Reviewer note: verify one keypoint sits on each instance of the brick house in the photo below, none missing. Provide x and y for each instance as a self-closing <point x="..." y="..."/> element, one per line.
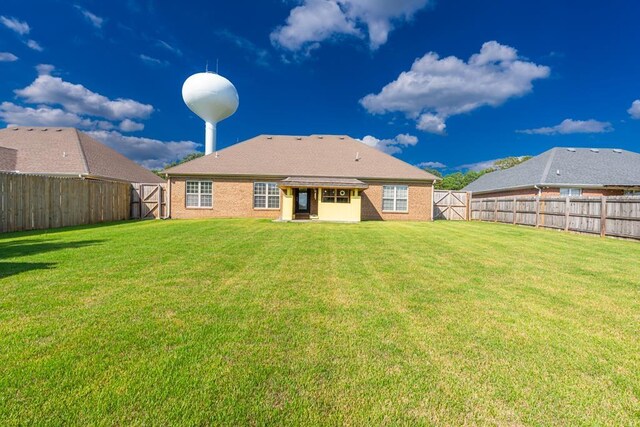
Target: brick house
<point x="317" y="177"/>
<point x="565" y="172"/>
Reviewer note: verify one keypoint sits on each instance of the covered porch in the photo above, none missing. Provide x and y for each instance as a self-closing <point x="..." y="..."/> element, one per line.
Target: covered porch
<point x="321" y="199"/>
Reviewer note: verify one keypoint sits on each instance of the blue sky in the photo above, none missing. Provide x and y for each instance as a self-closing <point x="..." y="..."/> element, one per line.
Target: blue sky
<point x="446" y="82"/>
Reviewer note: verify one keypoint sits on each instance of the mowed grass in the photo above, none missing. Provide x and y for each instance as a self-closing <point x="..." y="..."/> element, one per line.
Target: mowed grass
<point x="236" y="322"/>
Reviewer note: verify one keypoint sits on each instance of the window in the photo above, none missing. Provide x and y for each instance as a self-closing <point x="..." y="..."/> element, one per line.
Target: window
<point x="335" y="195"/>
<point x="571" y="192"/>
<point x="632" y="193"/>
<point x="266" y="195"/>
<point x="395" y="198"/>
<point x="199" y="194"/>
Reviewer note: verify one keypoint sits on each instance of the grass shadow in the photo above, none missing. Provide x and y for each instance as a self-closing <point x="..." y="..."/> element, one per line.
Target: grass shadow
<point x="12" y="268"/>
<point x="20" y="248"/>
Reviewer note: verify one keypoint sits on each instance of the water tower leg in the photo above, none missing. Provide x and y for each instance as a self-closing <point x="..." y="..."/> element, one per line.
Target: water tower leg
<point x="210" y="138"/>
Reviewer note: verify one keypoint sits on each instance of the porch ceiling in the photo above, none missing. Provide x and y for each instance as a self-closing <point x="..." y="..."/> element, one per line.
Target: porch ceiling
<point x="306" y="182"/>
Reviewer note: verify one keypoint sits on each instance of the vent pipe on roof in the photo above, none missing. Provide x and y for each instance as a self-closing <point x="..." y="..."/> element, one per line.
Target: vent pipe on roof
<point x="617" y="150"/>
<point x="594" y="150"/>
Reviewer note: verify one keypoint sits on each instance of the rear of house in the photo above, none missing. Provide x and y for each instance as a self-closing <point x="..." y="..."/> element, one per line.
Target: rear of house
<point x="317" y="177"/>
<point x="564" y="172"/>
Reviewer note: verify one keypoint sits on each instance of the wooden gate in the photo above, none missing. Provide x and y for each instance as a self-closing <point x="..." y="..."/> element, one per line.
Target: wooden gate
<point x="451" y="205"/>
<point x="148" y="201"/>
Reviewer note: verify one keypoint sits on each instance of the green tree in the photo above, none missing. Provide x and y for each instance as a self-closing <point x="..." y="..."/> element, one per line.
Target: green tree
<point x="185" y="159"/>
<point x="459" y="180"/>
<point x="509" y="162"/>
<point x="432" y="171"/>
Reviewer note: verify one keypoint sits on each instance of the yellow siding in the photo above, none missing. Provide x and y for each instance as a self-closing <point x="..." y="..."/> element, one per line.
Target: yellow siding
<point x="340" y="211"/>
<point x="287" y="204"/>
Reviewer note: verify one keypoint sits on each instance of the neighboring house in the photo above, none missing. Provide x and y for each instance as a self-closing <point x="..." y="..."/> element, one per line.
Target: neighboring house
<point x="565" y="172"/>
<point x="324" y="177"/>
<point x="57" y="151"/>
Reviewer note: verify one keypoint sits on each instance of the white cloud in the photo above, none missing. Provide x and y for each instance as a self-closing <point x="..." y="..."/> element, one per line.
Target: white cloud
<point x="32" y="44"/>
<point x="314" y="21"/>
<point x="13" y="114"/>
<point x="570" y="126"/>
<point x="479" y="166"/>
<point x="634" y="111"/>
<point x="130" y="126"/>
<point x="435" y="89"/>
<point x="151" y="153"/>
<point x="93" y="19"/>
<point x="170" y="48"/>
<point x="7" y="57"/>
<point x="15" y="24"/>
<point x="44" y="69"/>
<point x="431" y="123"/>
<point x="390" y="146"/>
<point x="75" y="98"/>
<point x="149" y="60"/>
<point x="434" y="165"/>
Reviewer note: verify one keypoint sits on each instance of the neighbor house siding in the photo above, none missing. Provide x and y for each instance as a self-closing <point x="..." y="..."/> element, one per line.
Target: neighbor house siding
<point x="232" y="198"/>
<point x="548" y="192"/>
<point x="420" y="203"/>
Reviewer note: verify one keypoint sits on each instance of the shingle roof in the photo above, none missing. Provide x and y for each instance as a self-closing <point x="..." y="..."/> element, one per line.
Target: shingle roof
<point x="67" y="151"/>
<point x="308" y="156"/>
<point x="585" y="167"/>
<point x="305" y="181"/>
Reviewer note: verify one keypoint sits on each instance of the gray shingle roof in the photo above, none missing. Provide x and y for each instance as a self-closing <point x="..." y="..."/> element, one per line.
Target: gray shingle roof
<point x="66" y="151"/>
<point x="333" y="156"/>
<point x="566" y="167"/>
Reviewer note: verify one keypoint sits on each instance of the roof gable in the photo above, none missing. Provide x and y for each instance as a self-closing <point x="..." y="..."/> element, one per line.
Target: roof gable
<point x="563" y="166"/>
<point x="66" y="151"/>
<point x="309" y="156"/>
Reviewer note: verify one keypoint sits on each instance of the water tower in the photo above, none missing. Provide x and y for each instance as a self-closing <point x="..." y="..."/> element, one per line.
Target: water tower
<point x="213" y="98"/>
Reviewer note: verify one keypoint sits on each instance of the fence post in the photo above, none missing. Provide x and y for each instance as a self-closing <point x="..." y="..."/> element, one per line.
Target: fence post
<point x="469" y="195"/>
<point x="603" y="216"/>
<point x="538" y="212"/>
<point x="567" y="210"/>
<point x="515" y="211"/>
<point x="495" y="210"/>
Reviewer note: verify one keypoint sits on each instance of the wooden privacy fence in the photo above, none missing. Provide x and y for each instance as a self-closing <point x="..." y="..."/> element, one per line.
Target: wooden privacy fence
<point x="148" y="201"/>
<point x="30" y="202"/>
<point x="606" y="216"/>
<point x="451" y="205"/>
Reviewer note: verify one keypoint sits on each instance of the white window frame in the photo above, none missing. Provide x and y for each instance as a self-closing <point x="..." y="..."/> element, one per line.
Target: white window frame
<point x="395" y="198"/>
<point x="568" y="192"/>
<point x="266" y="195"/>
<point x="199" y="194"/>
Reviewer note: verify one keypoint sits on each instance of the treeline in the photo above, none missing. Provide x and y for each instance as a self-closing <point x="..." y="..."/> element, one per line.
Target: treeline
<point x="459" y="180"/>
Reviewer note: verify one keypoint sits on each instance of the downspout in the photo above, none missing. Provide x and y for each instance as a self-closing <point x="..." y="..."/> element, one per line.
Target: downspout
<point x="168" y="205"/>
<point x="539" y="190"/>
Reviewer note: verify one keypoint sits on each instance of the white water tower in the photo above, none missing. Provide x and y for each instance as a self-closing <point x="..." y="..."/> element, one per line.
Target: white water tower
<point x="213" y="98"/>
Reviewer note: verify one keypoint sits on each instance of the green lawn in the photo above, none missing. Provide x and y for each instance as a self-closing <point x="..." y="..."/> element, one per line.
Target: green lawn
<point x="252" y="322"/>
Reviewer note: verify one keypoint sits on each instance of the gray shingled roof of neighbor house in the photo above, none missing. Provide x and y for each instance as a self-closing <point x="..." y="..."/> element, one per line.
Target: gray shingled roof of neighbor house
<point x="66" y="152"/>
<point x="566" y="167"/>
<point x="332" y="156"/>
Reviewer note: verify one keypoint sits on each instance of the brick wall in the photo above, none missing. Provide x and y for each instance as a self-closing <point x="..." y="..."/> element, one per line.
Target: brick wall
<point x="550" y="192"/>
<point x="232" y="198"/>
<point x="420" y="204"/>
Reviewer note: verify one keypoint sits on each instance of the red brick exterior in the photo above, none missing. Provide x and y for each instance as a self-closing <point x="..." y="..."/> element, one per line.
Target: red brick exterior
<point x="420" y="203"/>
<point x="233" y="198"/>
<point x="549" y="192"/>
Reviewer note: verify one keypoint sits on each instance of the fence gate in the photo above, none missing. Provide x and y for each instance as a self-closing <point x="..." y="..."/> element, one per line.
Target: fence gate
<point x="148" y="201"/>
<point x="451" y="205"/>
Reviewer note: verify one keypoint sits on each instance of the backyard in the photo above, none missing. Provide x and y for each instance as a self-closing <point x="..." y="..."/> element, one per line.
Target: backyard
<point x="252" y="322"/>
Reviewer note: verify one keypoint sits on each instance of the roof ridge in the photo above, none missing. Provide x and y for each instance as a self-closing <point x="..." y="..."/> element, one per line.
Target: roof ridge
<point x="83" y="156"/>
<point x="545" y="173"/>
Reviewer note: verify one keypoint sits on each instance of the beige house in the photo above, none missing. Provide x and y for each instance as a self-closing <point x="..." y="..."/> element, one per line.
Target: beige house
<point x="317" y="177"/>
